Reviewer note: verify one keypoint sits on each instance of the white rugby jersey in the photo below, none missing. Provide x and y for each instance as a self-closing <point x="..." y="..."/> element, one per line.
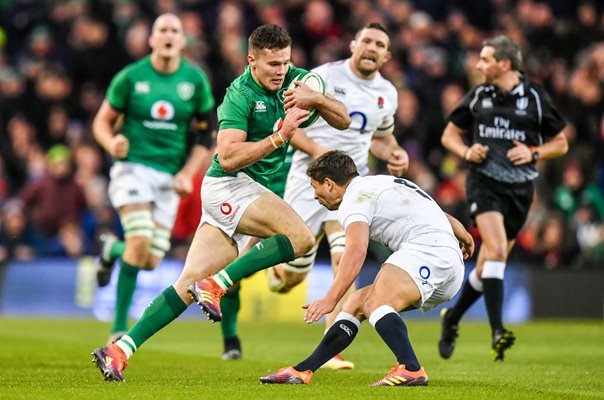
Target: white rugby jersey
<point x="371" y="105"/>
<point x="397" y="212"/>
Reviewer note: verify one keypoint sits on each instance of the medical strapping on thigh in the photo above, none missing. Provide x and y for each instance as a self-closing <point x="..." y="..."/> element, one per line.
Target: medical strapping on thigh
<point x="161" y="242"/>
<point x="138" y="223"/>
<point x="304" y="263"/>
<point x="337" y="242"/>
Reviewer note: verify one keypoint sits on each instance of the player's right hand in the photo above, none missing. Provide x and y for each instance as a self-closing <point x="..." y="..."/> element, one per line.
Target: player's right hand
<point x="477" y="153"/>
<point x="119" y="146"/>
<point x="293" y="118"/>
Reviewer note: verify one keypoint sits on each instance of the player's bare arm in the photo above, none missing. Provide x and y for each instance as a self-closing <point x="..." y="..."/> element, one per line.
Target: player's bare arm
<point x="235" y="153"/>
<point x="466" y="242"/>
<point x="453" y="140"/>
<point x="183" y="180"/>
<point x="103" y="130"/>
<point x="355" y="251"/>
<point x="386" y="148"/>
<point x="302" y="142"/>
<point x="523" y="154"/>
<point x="333" y="111"/>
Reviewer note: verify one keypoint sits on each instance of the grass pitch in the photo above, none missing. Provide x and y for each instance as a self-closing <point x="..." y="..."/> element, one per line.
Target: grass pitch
<point x="50" y="359"/>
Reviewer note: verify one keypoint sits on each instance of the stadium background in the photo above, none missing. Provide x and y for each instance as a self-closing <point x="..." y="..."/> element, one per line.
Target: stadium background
<point x="57" y="58"/>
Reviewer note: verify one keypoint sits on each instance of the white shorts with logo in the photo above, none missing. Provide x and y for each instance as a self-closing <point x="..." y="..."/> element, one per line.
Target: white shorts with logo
<point x="225" y="199"/>
<point x="438" y="272"/>
<point x="134" y="183"/>
<point x="300" y="195"/>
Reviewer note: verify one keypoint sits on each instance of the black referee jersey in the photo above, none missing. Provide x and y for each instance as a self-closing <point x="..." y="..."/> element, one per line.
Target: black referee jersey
<point x="497" y="118"/>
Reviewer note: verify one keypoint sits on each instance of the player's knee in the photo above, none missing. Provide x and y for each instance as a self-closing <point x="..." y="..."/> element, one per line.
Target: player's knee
<point x="137" y="250"/>
<point x="302" y="242"/>
<point x="496" y="251"/>
<point x="296" y="270"/>
<point x="354" y="304"/>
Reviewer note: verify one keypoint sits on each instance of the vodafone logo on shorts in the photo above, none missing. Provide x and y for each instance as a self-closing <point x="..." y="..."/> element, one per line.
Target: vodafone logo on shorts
<point x="226" y="208"/>
<point x="162" y="110"/>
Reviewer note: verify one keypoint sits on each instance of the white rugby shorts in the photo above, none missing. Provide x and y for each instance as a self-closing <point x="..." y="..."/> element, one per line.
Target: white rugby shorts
<point x="438" y="272"/>
<point x="225" y="199"/>
<point x="300" y="195"/>
<point x="134" y="183"/>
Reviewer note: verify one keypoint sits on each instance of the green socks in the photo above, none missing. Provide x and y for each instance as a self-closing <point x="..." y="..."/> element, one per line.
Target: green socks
<point x="117" y="249"/>
<point x="229" y="305"/>
<point x="126" y="285"/>
<point x="164" y="309"/>
<point x="271" y="251"/>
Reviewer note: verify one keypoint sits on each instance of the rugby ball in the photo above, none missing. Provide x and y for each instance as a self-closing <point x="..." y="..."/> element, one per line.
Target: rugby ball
<point x="316" y="83"/>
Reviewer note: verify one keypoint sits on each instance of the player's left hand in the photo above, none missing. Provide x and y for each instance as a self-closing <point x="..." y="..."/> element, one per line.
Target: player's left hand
<point x="183" y="184"/>
<point x="520" y="154"/>
<point x="317" y="309"/>
<point x="302" y="97"/>
<point x="398" y="162"/>
<point x="467" y="247"/>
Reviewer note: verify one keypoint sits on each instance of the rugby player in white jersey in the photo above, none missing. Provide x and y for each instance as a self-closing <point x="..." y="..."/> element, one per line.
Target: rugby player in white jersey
<point x="371" y="101"/>
<point x="425" y="269"/>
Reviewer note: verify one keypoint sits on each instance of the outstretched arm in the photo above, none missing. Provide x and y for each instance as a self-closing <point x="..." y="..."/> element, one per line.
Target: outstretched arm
<point x="357" y="239"/>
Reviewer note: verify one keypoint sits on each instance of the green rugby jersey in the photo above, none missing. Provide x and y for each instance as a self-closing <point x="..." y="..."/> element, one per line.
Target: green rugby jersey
<point x="279" y="179"/>
<point x="158" y="109"/>
<point x="249" y="107"/>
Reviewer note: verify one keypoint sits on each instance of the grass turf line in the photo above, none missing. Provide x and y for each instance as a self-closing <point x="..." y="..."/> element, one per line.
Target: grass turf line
<point x="50" y="359"/>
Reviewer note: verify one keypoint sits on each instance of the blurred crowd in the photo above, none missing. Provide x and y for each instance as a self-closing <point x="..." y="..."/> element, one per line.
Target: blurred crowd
<point x="58" y="57"/>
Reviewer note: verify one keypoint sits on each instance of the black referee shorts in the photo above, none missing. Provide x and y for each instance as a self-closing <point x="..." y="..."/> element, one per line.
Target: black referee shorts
<point x="513" y="200"/>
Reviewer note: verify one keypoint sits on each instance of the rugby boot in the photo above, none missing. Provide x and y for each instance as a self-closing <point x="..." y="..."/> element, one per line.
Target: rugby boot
<point x="399" y="376"/>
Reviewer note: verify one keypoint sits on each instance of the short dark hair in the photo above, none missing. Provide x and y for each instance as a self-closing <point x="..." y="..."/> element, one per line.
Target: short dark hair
<point x="269" y="36"/>
<point x="335" y="165"/>
<point x="506" y="48"/>
<point x="374" y="25"/>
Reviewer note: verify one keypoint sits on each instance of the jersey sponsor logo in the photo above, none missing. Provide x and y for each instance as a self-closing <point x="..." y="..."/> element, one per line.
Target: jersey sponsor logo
<point x="487" y="103"/>
<point x="162" y="110"/>
<point x="142" y="87"/>
<point x="260" y="106"/>
<point x="501" y="129"/>
<point x="185" y="90"/>
<point x="380" y="102"/>
<point x="226" y="208"/>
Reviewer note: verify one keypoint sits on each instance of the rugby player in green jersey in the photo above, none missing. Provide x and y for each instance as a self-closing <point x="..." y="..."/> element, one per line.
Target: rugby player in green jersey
<point x="154" y="100"/>
<point x="230" y="303"/>
<point x="257" y="118"/>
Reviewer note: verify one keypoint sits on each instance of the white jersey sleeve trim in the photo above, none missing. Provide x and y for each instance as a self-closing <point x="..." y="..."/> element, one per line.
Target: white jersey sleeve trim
<point x="356" y="217"/>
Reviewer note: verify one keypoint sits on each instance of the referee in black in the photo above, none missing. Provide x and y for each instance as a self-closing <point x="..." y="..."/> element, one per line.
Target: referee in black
<point x="513" y="125"/>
